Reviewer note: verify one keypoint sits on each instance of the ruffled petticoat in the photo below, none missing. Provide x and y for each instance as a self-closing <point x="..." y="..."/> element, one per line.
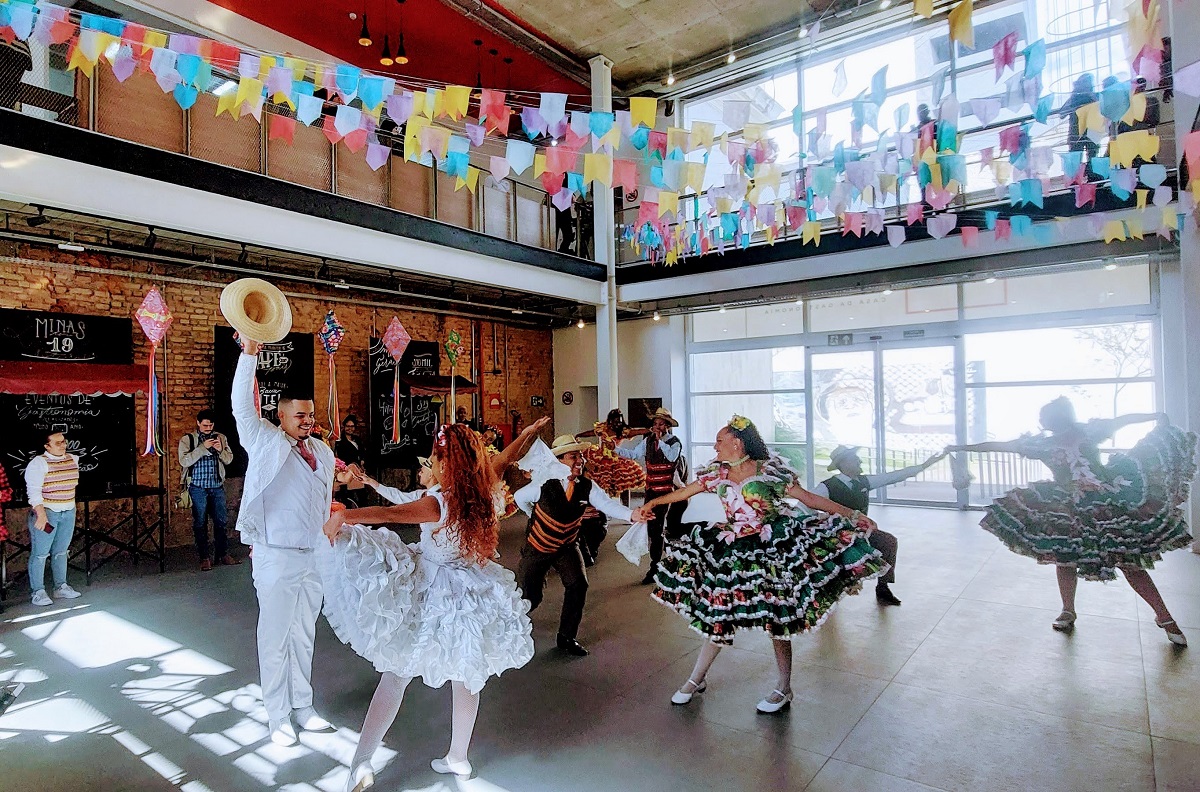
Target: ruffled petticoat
<point x="785" y="586"/>
<point x="612" y="473"/>
<point x="417" y="618"/>
<point x="1129" y="522"/>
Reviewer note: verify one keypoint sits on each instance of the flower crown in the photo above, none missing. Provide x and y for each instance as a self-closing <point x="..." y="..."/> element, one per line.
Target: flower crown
<point x="441" y="436"/>
<point x="740" y="422"/>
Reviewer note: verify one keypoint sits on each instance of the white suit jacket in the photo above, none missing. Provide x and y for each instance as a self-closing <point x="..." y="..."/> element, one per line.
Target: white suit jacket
<point x="268" y="448"/>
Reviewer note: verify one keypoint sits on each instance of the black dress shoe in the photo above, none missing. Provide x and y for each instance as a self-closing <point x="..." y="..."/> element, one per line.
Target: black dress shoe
<point x="649" y="579"/>
<point x="885" y="595"/>
<point x="571" y="646"/>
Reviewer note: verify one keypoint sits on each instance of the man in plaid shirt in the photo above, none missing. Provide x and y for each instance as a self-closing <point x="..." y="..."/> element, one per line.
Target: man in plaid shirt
<point x="203" y="455"/>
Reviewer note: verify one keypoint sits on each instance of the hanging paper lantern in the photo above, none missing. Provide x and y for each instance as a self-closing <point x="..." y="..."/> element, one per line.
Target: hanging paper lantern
<point x="155" y="318"/>
<point x="395" y="341"/>
<point x="331" y="335"/>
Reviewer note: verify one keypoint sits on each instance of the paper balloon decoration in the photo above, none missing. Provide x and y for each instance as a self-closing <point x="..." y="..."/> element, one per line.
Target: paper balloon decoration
<point x="155" y="319"/>
<point x="331" y="335"/>
<point x="395" y="341"/>
<point x="454" y="347"/>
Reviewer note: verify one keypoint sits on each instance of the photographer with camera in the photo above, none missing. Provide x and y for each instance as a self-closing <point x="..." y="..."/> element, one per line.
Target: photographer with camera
<point x="203" y="455"/>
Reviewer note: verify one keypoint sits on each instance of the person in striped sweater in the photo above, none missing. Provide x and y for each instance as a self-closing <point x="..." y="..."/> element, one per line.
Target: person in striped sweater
<point x="50" y="481"/>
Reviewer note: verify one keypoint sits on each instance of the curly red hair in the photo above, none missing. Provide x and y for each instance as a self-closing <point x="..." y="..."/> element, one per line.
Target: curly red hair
<point x="469" y="483"/>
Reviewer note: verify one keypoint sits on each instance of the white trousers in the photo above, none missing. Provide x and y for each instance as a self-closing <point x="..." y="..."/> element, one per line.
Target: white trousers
<point x="289" y="601"/>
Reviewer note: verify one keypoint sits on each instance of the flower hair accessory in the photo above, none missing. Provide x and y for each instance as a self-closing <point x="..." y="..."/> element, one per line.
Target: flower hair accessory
<point x="441" y="436"/>
<point x="740" y="422"/>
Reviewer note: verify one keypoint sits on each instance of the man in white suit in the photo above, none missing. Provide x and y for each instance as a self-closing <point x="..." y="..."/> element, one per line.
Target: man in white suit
<point x="285" y="501"/>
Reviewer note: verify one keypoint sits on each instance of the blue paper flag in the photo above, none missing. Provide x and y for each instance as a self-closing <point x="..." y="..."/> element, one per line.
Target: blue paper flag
<point x="600" y="123"/>
<point x="1014" y="194"/>
<point x="947" y="136"/>
<point x="185" y="95"/>
<point x="1035" y="58"/>
<point x="188" y="67"/>
<point x="656" y="177"/>
<point x="457" y="163"/>
<point x="954" y="166"/>
<point x="1100" y="166"/>
<point x="1072" y="161"/>
<point x="1120" y="192"/>
<point x="990" y="216"/>
<point x="347" y="79"/>
<point x="640" y="138"/>
<point x="879" y="86"/>
<point x="1021" y="224"/>
<point x="1152" y="175"/>
<point x="728" y="224"/>
<point x="1031" y="192"/>
<point x="576" y="184"/>
<point x="1044" y="107"/>
<point x="1114" y="101"/>
<point x="308" y="109"/>
<point x="373" y="90"/>
<point x="1043" y="234"/>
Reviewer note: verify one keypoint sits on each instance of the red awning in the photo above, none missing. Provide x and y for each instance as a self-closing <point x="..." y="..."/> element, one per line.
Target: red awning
<point x="436" y="385"/>
<point x="71" y="379"/>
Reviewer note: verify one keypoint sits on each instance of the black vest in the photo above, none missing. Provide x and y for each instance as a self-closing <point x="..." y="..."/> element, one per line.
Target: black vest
<point x="555" y="521"/>
<point x="855" y="495"/>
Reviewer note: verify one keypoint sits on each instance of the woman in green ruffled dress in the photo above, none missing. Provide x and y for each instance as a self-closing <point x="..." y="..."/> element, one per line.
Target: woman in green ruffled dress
<point x="1096" y="517"/>
<point x="768" y="566"/>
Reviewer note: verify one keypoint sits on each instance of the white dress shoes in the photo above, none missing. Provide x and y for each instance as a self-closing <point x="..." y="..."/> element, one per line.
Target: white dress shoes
<point x="443" y="765"/>
<point x="778" y="700"/>
<point x="308" y="719"/>
<point x="361" y="778"/>
<point x="282" y="733"/>
<point x="689" y="689"/>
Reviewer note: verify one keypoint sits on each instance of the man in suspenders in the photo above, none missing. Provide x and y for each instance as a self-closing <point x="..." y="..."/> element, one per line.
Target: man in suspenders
<point x="852" y="489"/>
<point x="662" y="453"/>
<point x="556" y="510"/>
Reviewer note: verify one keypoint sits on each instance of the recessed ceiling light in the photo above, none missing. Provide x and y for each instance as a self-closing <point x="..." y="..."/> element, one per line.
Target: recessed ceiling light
<point x="1110" y="267"/>
<point x="657" y="316"/>
<point x="579" y="324"/>
<point x="990" y="280"/>
<point x="671" y="79"/>
<point x="722" y="309"/>
<point x="803" y="32"/>
<point x="72" y="247"/>
<point x="886" y="292"/>
<point x="731" y="57"/>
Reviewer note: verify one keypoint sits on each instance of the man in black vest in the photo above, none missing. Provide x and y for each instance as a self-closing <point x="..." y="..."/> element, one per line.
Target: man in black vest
<point x="662" y="453"/>
<point x="556" y="509"/>
<point x="850" y="488"/>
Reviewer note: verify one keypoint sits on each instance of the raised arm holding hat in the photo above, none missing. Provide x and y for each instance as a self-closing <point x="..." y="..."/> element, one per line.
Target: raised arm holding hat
<point x="556" y="506"/>
<point x="851" y="488"/>
<point x="662" y="452"/>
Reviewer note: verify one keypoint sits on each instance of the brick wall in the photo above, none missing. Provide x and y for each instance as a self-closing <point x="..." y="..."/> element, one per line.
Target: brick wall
<point x="524" y="372"/>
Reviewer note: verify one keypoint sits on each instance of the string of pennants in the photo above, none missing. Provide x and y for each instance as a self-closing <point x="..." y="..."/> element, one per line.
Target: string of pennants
<point x="444" y="126"/>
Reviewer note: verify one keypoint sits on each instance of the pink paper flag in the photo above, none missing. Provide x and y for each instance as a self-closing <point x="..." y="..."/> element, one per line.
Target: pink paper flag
<point x="562" y="200"/>
<point x="914" y="212"/>
<point x="985" y="157"/>
<point x="852" y="223"/>
<point x="560" y="159"/>
<point x="124" y="64"/>
<point x="377" y="154"/>
<point x="874" y="221"/>
<point x="1003" y="229"/>
<point x="500" y="168"/>
<point x="625" y="174"/>
<point x="356" y="140"/>
<point x="970" y="236"/>
<point x="1004" y="53"/>
<point x="1085" y="194"/>
<point x="896" y="235"/>
<point x="940" y="225"/>
<point x="475" y="133"/>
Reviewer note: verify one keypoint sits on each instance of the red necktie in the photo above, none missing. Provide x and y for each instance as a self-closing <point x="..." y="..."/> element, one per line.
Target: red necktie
<point x="306" y="454"/>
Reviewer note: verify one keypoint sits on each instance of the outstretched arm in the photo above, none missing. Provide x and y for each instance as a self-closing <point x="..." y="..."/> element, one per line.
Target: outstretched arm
<point x="427" y="509"/>
<point x="1013" y="446"/>
<point x="1110" y="427"/>
<point x="815" y="502"/>
<point x="877" y="480"/>
<point x="671" y="497"/>
<point x="518" y="447"/>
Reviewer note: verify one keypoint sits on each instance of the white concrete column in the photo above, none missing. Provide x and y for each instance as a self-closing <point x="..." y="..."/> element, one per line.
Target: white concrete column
<point x="1180" y="283"/>
<point x="604" y="244"/>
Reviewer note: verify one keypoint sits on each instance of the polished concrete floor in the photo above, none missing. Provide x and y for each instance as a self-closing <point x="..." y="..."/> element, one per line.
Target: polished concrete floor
<point x="149" y="682"/>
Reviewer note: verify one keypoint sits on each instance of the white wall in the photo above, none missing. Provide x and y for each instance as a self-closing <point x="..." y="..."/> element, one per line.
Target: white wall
<point x="650" y="363"/>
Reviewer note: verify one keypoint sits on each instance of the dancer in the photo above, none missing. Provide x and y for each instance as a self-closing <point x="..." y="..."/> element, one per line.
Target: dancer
<point x="556" y="509"/>
<point x="1095" y="518"/>
<point x="441" y="609"/>
<point x="285" y="500"/>
<point x="767" y="566"/>
<point x="425" y="481"/>
<point x="852" y="489"/>
<point x="613" y="474"/>
<point x="662" y="453"/>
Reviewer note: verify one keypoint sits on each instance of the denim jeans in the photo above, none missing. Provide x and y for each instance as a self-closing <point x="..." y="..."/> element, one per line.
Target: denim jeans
<point x="206" y="502"/>
<point x="53" y="545"/>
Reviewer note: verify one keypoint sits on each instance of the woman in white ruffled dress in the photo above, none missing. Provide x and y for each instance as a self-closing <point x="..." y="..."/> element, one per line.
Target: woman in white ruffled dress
<point x="442" y="609"/>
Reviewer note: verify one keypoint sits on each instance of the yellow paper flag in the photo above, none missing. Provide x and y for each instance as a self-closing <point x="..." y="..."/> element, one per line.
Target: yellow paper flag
<point x="924" y="8"/>
<point x="154" y="40"/>
<point x="297" y="66"/>
<point x="539" y="164"/>
<point x="598" y="167"/>
<point x="752" y="133"/>
<point x="643" y="110"/>
<point x="811" y="232"/>
<point x="667" y="202"/>
<point x="458" y="99"/>
<point x="1142" y="195"/>
<point x="1091" y="119"/>
<point x="611" y="138"/>
<point x="1134" y="226"/>
<point x="471" y="182"/>
<point x="677" y="139"/>
<point x="265" y="64"/>
<point x="671" y="258"/>
<point x="962" y="28"/>
<point x="1170" y="219"/>
<point x="767" y="177"/>
<point x="226" y="102"/>
<point x="702" y="135"/>
<point x="724" y="205"/>
<point x="80" y="61"/>
<point x="1137" y="109"/>
<point x="770" y="235"/>
<point x="412" y="137"/>
<point x="694" y="180"/>
<point x="868" y="195"/>
<point x="249" y="89"/>
<point x="1114" y="230"/>
<point x="284" y="98"/>
<point x="888" y="183"/>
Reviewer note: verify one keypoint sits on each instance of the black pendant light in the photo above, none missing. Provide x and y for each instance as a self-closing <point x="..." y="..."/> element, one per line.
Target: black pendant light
<point x="385" y="57"/>
<point x="478" y="93"/>
<point x="401" y="55"/>
<point x="364" y="35"/>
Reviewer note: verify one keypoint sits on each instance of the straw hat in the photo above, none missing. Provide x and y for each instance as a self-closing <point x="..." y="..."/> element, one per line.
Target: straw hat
<point x="840" y="454"/>
<point x="664" y="414"/>
<point x="565" y="444"/>
<point x="257" y="310"/>
<point x="424" y="462"/>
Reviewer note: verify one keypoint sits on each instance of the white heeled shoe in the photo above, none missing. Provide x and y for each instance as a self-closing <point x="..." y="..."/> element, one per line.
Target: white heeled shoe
<point x="444" y="766"/>
<point x="1177" y="637"/>
<point x="282" y="733"/>
<point x="1065" y="621"/>
<point x="771" y="705"/>
<point x="308" y="719"/>
<point x="361" y="778"/>
<point x="682" y="697"/>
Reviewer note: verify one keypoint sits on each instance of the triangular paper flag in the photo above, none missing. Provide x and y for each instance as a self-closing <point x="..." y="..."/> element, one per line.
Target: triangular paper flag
<point x="962" y="27"/>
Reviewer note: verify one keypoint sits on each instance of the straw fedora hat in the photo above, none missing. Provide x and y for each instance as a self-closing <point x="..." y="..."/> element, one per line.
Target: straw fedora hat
<point x="664" y="414"/>
<point x="257" y="310"/>
<point x="565" y="444"/>
<point x="840" y="454"/>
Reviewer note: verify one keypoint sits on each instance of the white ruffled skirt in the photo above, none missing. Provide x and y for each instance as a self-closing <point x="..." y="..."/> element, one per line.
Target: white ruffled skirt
<point x="414" y="617"/>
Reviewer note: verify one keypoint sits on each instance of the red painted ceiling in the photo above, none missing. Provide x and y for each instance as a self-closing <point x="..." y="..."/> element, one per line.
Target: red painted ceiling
<point x="439" y="41"/>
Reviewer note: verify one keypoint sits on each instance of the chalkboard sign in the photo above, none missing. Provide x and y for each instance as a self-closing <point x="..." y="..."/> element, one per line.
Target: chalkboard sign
<point x="286" y="365"/>
<point x="100" y="430"/>
<point x="65" y="338"/>
<point x="418" y="416"/>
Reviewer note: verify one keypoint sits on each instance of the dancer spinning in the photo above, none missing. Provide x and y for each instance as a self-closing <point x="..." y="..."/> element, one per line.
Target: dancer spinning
<point x="665" y="469"/>
<point x="441" y="610"/>
<point x="768" y="566"/>
<point x="613" y="474"/>
<point x="1094" y="518"/>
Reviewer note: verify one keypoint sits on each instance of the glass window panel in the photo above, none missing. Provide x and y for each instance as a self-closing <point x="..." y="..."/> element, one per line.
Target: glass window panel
<point x="1060" y="291"/>
<point x="1100" y="352"/>
<point x="796" y="458"/>
<point x="771" y="320"/>
<point x="908" y="59"/>
<point x="780" y="417"/>
<point x="770" y="99"/>
<point x="718" y="326"/>
<point x="748" y="369"/>
<point x="843" y="402"/>
<point x="1005" y="413"/>
<point x="879" y="309"/>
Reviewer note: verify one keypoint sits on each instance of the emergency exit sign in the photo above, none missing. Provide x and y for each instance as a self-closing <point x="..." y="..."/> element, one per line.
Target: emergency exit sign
<point x="841" y="339"/>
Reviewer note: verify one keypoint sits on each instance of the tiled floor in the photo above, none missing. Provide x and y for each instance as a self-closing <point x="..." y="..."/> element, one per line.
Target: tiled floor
<point x="149" y="682"/>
